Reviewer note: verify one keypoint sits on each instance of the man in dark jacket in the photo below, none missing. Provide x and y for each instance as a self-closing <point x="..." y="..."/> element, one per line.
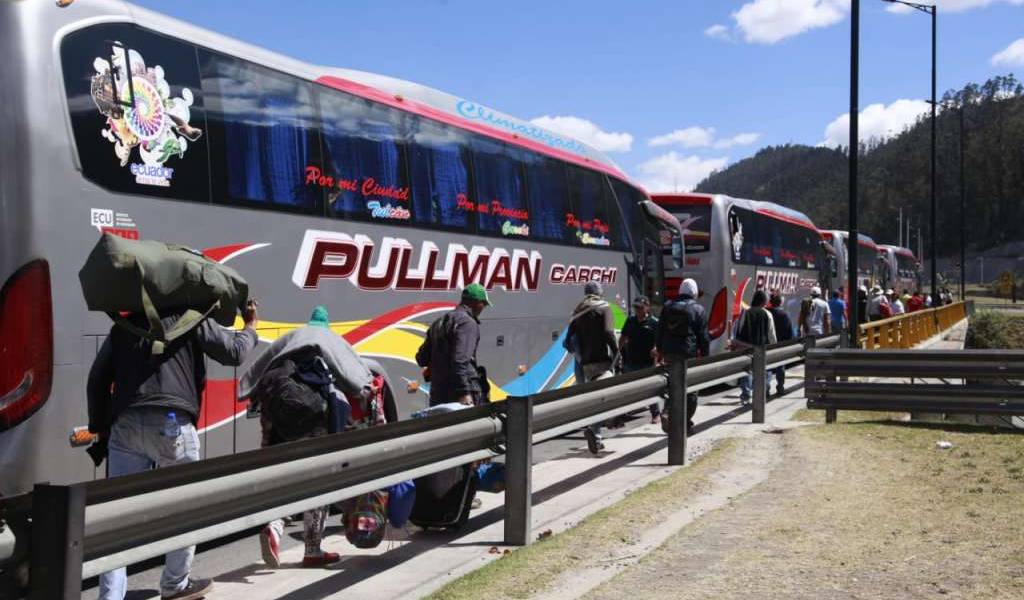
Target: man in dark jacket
<point x="783" y="332"/>
<point x="449" y="351"/>
<point x="683" y="334"/>
<point x="755" y="328"/>
<point x="592" y="331"/>
<point x="144" y="407"/>
<point x="636" y="344"/>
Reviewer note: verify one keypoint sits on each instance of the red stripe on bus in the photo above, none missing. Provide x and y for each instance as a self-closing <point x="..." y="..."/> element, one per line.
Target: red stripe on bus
<point x="783" y="217"/>
<point x="386" y="320"/>
<point x="681" y="199"/>
<point x="221" y="252"/>
<point x="371" y="93"/>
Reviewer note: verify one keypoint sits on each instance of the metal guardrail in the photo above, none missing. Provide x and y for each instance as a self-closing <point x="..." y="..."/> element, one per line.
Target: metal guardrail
<point x="991" y="381"/>
<point x="96" y="526"/>
<point x="910" y="329"/>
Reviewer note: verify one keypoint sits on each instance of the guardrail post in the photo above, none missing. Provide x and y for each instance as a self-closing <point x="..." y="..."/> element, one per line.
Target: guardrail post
<point x="760" y="383"/>
<point x="58" y="528"/>
<point x="518" y="470"/>
<point x="676" y="410"/>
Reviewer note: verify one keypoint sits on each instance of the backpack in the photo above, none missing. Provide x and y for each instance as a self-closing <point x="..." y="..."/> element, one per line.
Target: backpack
<point x="677" y="319"/>
<point x="149" y="277"/>
<point x="366" y="519"/>
<point x="294" y="408"/>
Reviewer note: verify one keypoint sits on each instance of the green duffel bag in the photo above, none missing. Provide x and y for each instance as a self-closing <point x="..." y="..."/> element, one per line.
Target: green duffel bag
<point x="150" y="277"/>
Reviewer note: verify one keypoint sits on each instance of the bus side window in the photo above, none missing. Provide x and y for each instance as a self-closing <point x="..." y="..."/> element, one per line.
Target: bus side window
<point x="263" y="135"/>
<point x="160" y="152"/>
<point x="501" y="207"/>
<point x="439" y="174"/>
<point x="548" y="195"/>
<point x="364" y="157"/>
<point x="591" y="217"/>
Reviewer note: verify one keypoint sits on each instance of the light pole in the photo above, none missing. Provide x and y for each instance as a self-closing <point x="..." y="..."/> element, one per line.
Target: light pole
<point x="932" y="10"/>
<point x="962" y="147"/>
<point x="853" y="237"/>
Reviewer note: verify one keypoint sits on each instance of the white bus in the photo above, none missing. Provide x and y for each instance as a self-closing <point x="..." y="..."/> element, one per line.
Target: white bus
<point x="867" y="259"/>
<point x="734" y="247"/>
<point x="899" y="269"/>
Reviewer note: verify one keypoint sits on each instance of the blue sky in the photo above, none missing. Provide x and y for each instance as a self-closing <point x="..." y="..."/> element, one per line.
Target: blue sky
<point x="670" y="89"/>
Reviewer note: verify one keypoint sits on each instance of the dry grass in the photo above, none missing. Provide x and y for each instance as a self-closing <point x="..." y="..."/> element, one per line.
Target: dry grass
<point x="858" y="510"/>
<point x="530" y="570"/>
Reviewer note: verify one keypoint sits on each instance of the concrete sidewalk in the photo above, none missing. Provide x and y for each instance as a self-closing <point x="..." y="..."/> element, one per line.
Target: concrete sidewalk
<point x="412" y="563"/>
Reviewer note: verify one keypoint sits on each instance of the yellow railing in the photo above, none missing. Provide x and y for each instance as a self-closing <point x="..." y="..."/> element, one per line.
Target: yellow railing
<point x="909" y="330"/>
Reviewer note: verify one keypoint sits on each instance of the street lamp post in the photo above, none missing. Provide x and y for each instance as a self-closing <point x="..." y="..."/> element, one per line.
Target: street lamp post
<point x="853" y="236"/>
<point x="932" y="10"/>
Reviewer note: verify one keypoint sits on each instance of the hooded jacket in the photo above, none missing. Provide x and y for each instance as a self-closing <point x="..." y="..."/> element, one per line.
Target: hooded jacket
<point x="695" y="342"/>
<point x="450" y="351"/>
<point x="592" y="330"/>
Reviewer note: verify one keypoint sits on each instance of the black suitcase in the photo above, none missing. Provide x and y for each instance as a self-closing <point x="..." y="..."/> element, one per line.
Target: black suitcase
<point x="443" y="499"/>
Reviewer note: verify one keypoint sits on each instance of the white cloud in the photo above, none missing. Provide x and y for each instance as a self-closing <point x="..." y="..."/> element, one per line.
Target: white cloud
<point x="691" y="137"/>
<point x="742" y="139"/>
<point x="946" y="6"/>
<point x="876" y="121"/>
<point x="770" y="21"/>
<point x="718" y="32"/>
<point x="1010" y="56"/>
<point x="702" y="137"/>
<point x="671" y="172"/>
<point x="587" y="132"/>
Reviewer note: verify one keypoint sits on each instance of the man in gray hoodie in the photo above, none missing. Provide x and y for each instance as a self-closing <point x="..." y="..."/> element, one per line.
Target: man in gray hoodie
<point x="592" y="333"/>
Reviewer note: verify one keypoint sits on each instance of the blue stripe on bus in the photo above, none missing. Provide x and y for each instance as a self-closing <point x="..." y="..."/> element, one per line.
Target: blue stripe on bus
<point x="534" y="379"/>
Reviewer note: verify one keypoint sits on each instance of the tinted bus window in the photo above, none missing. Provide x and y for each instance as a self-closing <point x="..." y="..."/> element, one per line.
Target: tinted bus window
<point x="500" y="205"/>
<point x="262" y="134"/>
<point x="548" y="194"/>
<point x="762" y="240"/>
<point x="696" y="222"/>
<point x="590" y="220"/>
<point x="629" y="199"/>
<point x="439" y="173"/>
<point x="363" y="157"/>
<point x="156" y="146"/>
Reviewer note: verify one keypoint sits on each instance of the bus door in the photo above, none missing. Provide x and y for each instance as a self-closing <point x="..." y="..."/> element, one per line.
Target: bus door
<point x="659" y="231"/>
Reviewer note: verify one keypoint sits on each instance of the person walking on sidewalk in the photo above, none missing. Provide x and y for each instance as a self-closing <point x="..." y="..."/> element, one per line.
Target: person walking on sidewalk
<point x="682" y="334"/>
<point x="449" y="351"/>
<point x="145" y="407"/>
<point x="837" y="311"/>
<point x="819" y="320"/>
<point x="593" y="328"/>
<point x="298" y="400"/>
<point x="783" y="332"/>
<point x="756" y="327"/>
<point x="636" y="344"/>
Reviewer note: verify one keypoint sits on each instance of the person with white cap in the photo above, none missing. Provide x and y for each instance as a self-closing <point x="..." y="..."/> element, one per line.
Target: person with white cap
<point x="818" y="321"/>
<point x="895" y="303"/>
<point x="682" y="334"/>
<point x="878" y="305"/>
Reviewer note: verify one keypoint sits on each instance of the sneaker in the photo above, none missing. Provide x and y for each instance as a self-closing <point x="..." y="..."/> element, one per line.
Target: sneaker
<point x="655" y="419"/>
<point x="196" y="588"/>
<point x="309" y="562"/>
<point x="270" y="546"/>
<point x="594" y="443"/>
<point x="476" y="503"/>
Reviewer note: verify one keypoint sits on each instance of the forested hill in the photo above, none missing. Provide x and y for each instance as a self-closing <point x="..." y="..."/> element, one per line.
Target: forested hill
<point x="895" y="173"/>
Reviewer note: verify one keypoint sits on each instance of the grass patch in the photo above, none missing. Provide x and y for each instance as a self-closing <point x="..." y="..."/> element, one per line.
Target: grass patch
<point x="857" y="510"/>
<point x="990" y="329"/>
<point x="849" y="416"/>
<point x="529" y="570"/>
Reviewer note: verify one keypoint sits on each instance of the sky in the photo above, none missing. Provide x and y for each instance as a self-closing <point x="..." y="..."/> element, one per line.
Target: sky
<point x="670" y="89"/>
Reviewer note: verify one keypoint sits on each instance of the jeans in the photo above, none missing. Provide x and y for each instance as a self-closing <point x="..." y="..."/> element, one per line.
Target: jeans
<point x="137" y="443"/>
<point x="592" y="372"/>
<point x="747" y="385"/>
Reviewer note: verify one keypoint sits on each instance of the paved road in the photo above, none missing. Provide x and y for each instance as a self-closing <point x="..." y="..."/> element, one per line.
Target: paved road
<point x="235" y="552"/>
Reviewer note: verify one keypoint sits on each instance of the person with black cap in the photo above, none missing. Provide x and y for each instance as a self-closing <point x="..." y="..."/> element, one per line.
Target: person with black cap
<point x="593" y="330"/>
<point x="636" y="344"/>
<point x="448" y="353"/>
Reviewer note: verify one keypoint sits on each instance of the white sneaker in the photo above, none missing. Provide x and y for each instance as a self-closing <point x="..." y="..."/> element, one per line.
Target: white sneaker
<point x="270" y="544"/>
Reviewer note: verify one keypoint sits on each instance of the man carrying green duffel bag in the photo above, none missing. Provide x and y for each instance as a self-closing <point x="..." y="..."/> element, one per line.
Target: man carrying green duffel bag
<point x="145" y="385"/>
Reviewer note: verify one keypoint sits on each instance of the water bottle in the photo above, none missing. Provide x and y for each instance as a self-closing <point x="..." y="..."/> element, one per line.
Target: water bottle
<point x="171" y="427"/>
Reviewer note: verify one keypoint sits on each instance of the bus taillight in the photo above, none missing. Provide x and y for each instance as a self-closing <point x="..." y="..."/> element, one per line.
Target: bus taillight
<point x="26" y="343"/>
<point x="719" y="307"/>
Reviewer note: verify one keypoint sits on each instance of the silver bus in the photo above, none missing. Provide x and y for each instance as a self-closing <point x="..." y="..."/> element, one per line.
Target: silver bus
<point x="867" y="260"/>
<point x="898" y="269"/>
<point x="376" y="197"/>
<point x="734" y="247"/>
